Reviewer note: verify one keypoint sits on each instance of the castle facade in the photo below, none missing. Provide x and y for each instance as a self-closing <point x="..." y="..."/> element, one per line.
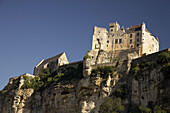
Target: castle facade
<point x="136" y="38"/>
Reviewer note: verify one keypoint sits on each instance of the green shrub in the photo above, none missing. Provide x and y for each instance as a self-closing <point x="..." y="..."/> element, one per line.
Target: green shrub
<point x="33" y="83"/>
<point x="121" y="91"/>
<point x="164" y="57"/>
<point x="111" y="105"/>
<point x="46" y="72"/>
<point x="103" y="71"/>
<point x="87" y="56"/>
<point x="3" y="91"/>
<point x="158" y="109"/>
<point x="144" y="110"/>
<point x="138" y="70"/>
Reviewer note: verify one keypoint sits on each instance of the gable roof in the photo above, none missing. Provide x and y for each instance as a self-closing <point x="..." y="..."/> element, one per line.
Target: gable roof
<point x="136" y="26"/>
<point x="42" y="62"/>
<point x="53" y="58"/>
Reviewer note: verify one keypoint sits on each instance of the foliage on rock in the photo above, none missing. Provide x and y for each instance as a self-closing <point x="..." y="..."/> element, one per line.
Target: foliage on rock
<point x="136" y="71"/>
<point x="112" y="105"/>
<point x="87" y="56"/>
<point x="49" y="79"/>
<point x="103" y="71"/>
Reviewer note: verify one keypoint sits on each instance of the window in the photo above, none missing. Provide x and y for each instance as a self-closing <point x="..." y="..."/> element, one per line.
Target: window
<point x="130" y="35"/>
<point x="137" y="34"/>
<point x="108" y="36"/>
<point x="107" y="45"/>
<point x="116" y="41"/>
<point x="111" y="30"/>
<point x="107" y="41"/>
<point x="131" y="46"/>
<point x="152" y="45"/>
<point x="137" y="45"/>
<point x="130" y="41"/>
<point x="137" y="39"/>
<point x="120" y="40"/>
<point x="138" y="29"/>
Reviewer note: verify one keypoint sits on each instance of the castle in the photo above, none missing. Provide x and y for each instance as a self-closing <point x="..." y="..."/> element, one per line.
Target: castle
<point x="130" y="44"/>
<point x="117" y="39"/>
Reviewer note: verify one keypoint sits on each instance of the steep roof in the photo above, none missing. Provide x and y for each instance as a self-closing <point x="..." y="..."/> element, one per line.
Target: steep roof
<point x="49" y="59"/>
<point x="53" y="58"/>
<point x="136" y="26"/>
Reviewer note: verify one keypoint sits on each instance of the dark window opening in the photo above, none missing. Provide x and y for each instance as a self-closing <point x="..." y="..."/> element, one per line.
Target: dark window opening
<point x="120" y="40"/>
<point x="116" y="41"/>
<point x="107" y="45"/>
<point x="138" y="29"/>
<point x="131" y="46"/>
<point x="111" y="30"/>
<point x="137" y="34"/>
<point x="107" y="41"/>
<point x="137" y="39"/>
<point x="108" y="36"/>
<point x="137" y="45"/>
<point x="152" y="45"/>
<point x="130" y="41"/>
<point x="57" y="62"/>
<point x="130" y="35"/>
<point x="64" y="92"/>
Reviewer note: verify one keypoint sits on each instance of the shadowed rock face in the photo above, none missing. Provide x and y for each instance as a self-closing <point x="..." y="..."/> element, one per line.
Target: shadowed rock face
<point x="116" y="86"/>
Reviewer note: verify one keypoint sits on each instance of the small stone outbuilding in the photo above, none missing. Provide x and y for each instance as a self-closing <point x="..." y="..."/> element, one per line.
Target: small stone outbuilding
<point x="52" y="63"/>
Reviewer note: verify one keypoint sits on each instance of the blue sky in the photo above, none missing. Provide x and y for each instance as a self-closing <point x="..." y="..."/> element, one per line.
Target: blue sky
<point x="31" y="30"/>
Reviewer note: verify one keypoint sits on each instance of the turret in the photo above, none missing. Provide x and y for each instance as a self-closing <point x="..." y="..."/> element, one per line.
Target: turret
<point x="123" y="29"/>
<point x="143" y="27"/>
<point x="114" y="27"/>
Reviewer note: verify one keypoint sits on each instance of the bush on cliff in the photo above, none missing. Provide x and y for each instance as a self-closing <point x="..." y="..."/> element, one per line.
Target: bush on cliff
<point x="103" y="71"/>
<point x="112" y="105"/>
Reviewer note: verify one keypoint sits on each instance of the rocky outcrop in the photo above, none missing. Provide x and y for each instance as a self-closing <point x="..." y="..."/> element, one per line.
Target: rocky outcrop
<point x="107" y="85"/>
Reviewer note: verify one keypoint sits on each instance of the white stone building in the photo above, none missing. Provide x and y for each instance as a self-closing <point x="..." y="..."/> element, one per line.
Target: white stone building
<point x="136" y="38"/>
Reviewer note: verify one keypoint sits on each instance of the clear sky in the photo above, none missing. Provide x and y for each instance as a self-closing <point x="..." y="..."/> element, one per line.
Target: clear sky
<point x="31" y="30"/>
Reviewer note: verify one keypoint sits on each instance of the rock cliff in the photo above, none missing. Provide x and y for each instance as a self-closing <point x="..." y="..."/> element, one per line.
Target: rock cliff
<point x="102" y="83"/>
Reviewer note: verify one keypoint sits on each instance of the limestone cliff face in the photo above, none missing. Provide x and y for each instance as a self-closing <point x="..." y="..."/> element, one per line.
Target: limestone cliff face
<point x="102" y="84"/>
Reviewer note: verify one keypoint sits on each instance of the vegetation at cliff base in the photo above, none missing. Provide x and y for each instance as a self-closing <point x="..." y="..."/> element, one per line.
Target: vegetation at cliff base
<point x="112" y="105"/>
<point x="154" y="109"/>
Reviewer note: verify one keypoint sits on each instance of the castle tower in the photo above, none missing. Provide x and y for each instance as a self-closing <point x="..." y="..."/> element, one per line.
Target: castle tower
<point x="114" y="27"/>
<point x="99" y="41"/>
